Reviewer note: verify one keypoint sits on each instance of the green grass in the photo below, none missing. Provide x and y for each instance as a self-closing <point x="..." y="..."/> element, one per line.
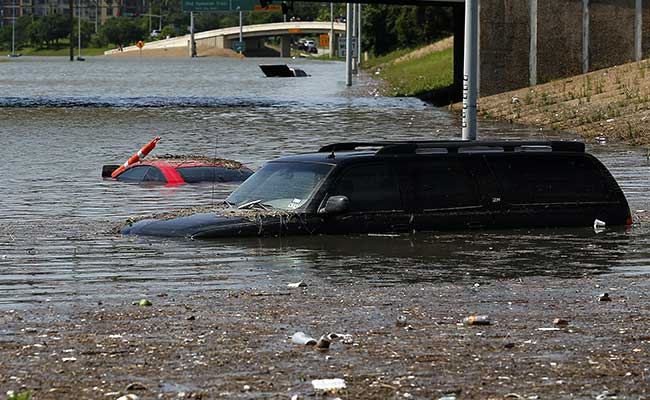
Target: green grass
<point x="417" y="77"/>
<point x="386" y="58"/>
<point x="91" y="51"/>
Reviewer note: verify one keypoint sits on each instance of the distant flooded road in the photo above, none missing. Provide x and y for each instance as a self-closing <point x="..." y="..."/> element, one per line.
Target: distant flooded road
<point x="61" y="121"/>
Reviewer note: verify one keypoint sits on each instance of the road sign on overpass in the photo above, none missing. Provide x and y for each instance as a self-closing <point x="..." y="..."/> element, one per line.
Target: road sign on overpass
<point x="219" y="5"/>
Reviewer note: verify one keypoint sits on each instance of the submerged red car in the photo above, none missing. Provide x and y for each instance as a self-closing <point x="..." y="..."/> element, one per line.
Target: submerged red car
<point x="179" y="170"/>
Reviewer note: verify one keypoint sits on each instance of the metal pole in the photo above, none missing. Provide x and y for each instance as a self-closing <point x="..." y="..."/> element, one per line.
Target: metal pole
<point x="354" y="38"/>
<point x="332" y="30"/>
<point x="149" y="17"/>
<point x="13" y="30"/>
<point x="96" y="7"/>
<point x="359" y="35"/>
<point x="470" y="73"/>
<point x="71" y="5"/>
<point x="348" y="45"/>
<point x="241" y="30"/>
<point x="79" y="33"/>
<point x="638" y="30"/>
<point x="532" y="56"/>
<point x="192" y="43"/>
<point x="585" y="36"/>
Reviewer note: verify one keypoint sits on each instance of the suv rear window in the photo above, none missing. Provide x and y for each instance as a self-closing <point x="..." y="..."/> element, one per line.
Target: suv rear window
<point x="370" y="188"/>
<point x="534" y="179"/>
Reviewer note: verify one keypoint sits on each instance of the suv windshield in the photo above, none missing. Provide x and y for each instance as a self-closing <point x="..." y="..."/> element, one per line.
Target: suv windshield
<point x="283" y="185"/>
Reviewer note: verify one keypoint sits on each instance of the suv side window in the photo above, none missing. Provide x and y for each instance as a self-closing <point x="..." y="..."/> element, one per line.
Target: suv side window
<point x="443" y="184"/>
<point x="209" y="174"/>
<point x="370" y="188"/>
<point x="543" y="179"/>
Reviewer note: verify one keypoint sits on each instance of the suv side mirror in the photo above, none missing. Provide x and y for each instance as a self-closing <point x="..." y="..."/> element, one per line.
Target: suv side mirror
<point x="335" y="205"/>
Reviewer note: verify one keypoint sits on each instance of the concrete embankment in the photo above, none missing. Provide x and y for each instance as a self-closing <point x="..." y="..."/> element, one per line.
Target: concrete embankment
<point x="612" y="103"/>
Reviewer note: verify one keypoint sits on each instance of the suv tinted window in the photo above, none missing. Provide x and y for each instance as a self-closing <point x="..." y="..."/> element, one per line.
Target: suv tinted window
<point x="209" y="174"/>
<point x="444" y="183"/>
<point x="142" y="173"/>
<point x="370" y="188"/>
<point x="543" y="179"/>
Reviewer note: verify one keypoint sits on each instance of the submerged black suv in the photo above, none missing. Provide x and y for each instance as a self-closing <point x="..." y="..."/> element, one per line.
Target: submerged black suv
<point x="396" y="187"/>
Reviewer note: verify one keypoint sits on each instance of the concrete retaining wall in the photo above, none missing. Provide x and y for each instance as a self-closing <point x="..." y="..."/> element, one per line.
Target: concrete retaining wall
<point x="559" y="43"/>
<point x="506" y="32"/>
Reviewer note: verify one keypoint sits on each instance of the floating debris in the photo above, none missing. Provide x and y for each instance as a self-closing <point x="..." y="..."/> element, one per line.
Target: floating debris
<point x="135" y="386"/>
<point x="180" y="159"/>
<point x="599" y="226"/>
<point x="324" y="342"/>
<point x="560" y="322"/>
<point x="129" y="396"/>
<point x="302" y="338"/>
<point x="328" y="385"/>
<point x="477" y="320"/>
<point x="145" y="303"/>
<point x="297" y="284"/>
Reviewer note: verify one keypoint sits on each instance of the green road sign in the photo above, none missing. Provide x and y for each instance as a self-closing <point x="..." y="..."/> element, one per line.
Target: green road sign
<point x="219" y="5"/>
<point x="239" y="47"/>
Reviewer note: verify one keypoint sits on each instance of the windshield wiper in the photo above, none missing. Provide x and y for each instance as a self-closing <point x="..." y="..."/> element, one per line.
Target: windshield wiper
<point x="254" y="204"/>
<point x="229" y="204"/>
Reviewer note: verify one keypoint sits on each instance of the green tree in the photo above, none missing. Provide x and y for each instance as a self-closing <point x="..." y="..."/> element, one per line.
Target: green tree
<point x="387" y="28"/>
<point x="87" y="31"/>
<point x="121" y="30"/>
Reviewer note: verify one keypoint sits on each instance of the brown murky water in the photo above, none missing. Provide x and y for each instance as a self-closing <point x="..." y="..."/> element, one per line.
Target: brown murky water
<point x="61" y="121"/>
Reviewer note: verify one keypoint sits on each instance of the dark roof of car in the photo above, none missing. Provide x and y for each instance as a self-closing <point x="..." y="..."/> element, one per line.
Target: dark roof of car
<point x="337" y="152"/>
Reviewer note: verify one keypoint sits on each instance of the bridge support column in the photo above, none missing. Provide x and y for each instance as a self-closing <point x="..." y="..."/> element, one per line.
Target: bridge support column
<point x="285" y="46"/>
<point x="532" y="53"/>
<point x="638" y="30"/>
<point x="585" y="36"/>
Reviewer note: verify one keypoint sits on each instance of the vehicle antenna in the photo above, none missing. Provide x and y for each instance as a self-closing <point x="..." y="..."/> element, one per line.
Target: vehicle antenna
<point x="214" y="172"/>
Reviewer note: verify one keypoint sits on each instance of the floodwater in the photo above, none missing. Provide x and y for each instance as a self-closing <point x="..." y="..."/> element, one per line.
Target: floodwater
<point x="61" y="121"/>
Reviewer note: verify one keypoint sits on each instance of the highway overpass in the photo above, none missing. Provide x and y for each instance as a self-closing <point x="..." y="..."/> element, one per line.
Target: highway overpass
<point x="224" y="38"/>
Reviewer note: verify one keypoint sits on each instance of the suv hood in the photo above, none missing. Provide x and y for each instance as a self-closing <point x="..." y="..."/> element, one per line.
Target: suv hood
<point x="228" y="223"/>
<point x="194" y="226"/>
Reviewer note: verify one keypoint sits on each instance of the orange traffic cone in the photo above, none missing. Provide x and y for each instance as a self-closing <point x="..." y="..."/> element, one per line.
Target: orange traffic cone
<point x="142" y="153"/>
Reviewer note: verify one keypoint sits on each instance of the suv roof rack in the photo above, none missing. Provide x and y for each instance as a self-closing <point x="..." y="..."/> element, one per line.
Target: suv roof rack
<point x="453" y="146"/>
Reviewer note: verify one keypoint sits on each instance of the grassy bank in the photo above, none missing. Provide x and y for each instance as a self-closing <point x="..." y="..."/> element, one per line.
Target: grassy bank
<point x="88" y="51"/>
<point x="612" y="104"/>
<point x="422" y="72"/>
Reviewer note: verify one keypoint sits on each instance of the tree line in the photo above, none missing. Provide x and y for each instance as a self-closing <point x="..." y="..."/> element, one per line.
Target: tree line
<point x="384" y="27"/>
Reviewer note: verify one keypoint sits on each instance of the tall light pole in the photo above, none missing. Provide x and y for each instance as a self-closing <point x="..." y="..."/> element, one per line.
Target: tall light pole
<point x="71" y="6"/>
<point x="470" y="70"/>
<point x="348" y="45"/>
<point x="359" y="35"/>
<point x="332" y="30"/>
<point x="79" y="33"/>
<point x="241" y="30"/>
<point x="192" y="43"/>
